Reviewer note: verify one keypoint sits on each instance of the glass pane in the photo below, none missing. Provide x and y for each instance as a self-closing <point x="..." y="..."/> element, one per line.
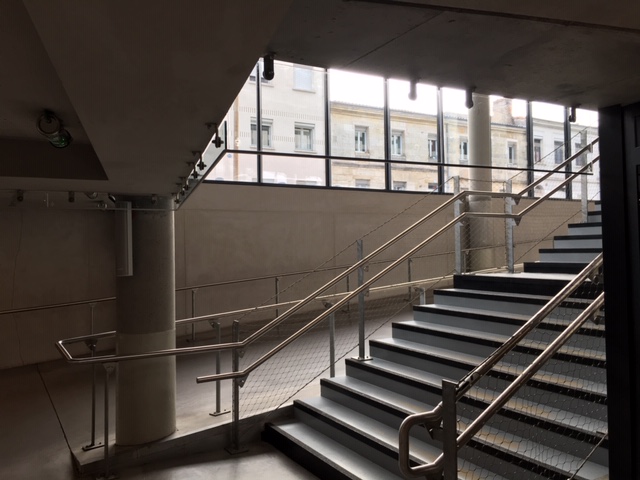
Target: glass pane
<point x="456" y="139"/>
<point x="548" y="141"/>
<point x="583" y="131"/>
<point x="293" y="122"/>
<point x="241" y="121"/>
<point x="357" y="129"/>
<point x="508" y="141"/>
<point x="413" y="136"/>
<point x="293" y="171"/>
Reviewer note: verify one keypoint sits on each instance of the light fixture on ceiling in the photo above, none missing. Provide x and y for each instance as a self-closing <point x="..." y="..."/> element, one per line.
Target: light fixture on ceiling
<point x="72" y="197"/>
<point x="269" y="71"/>
<point x="469" y="101"/>
<point x="413" y="90"/>
<point x="572" y="115"/>
<point x="51" y="127"/>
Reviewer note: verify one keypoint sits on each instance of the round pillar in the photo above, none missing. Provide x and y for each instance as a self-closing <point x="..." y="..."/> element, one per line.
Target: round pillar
<point x="480" y="230"/>
<point x="146" y="389"/>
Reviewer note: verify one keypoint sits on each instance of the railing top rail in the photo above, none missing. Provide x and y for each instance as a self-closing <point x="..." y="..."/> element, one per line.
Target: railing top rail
<point x="313" y="296"/>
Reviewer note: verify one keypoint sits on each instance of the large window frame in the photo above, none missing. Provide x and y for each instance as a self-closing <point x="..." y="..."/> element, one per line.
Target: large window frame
<point x="305" y="135"/>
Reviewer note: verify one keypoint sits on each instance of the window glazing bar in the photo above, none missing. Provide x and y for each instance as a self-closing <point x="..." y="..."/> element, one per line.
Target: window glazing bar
<point x="387" y="136"/>
<point x="440" y="142"/>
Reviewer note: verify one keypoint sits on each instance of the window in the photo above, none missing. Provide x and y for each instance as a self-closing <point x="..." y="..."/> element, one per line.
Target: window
<point x="252" y="76"/>
<point x="266" y="133"/>
<point x="511" y="152"/>
<point x="363" y="183"/>
<point x="432" y="147"/>
<point x="464" y="150"/>
<point x="581" y="161"/>
<point x="558" y="152"/>
<point x="361" y="139"/>
<point x="399" y="185"/>
<point x="397" y="143"/>
<point x="537" y="150"/>
<point x="302" y="78"/>
<point x="432" y="186"/>
<point x="304" y="137"/>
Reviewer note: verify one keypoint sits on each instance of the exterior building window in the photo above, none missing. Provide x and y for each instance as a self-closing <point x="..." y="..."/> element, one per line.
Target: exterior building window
<point x="432" y="187"/>
<point x="397" y="143"/>
<point x="363" y="183"/>
<point x="464" y="150"/>
<point x="558" y="152"/>
<point x="303" y="79"/>
<point x="537" y="150"/>
<point x="432" y="147"/>
<point x="266" y="133"/>
<point x="304" y="137"/>
<point x="399" y="185"/>
<point x="581" y="161"/>
<point x="511" y="152"/>
<point x="361" y="140"/>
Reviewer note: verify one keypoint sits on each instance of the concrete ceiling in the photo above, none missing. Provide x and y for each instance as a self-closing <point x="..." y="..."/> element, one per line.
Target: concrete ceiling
<point x="136" y="82"/>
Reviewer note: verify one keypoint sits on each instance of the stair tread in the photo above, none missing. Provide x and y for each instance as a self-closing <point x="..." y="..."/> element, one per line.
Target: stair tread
<point x="471" y="293"/>
<point x="332" y="452"/>
<point x="500" y="339"/>
<point x="504" y="367"/>
<point x="386" y="397"/>
<point x="590" y="236"/>
<point x="386" y="436"/>
<point x="488" y="314"/>
<point x="571" y="250"/>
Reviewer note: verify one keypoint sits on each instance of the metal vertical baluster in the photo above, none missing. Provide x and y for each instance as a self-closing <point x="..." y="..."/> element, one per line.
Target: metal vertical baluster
<point x="332" y="341"/>
<point x="216" y="326"/>
<point x="92" y="346"/>
<point x="109" y="368"/>
<point x="423" y="295"/>
<point x="409" y="265"/>
<point x="457" y="229"/>
<point x="508" y="225"/>
<point x="193" y="314"/>
<point x="361" y="339"/>
<point x="348" y="290"/>
<point x="449" y="430"/>
<point x="235" y="393"/>
<point x="584" y="195"/>
<point x="277" y="300"/>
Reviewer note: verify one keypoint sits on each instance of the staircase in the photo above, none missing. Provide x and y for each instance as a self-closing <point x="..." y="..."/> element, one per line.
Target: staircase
<point x="351" y="430"/>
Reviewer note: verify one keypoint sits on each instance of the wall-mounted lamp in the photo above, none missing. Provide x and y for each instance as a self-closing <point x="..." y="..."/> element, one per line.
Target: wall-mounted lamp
<point x="413" y="90"/>
<point x="51" y="127"/>
<point x="269" y="71"/>
<point x="572" y="115"/>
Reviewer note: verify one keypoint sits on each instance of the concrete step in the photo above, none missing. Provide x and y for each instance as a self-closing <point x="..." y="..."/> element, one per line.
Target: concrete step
<point x="553" y="267"/>
<point x="591" y="228"/>
<point x="594" y="217"/>
<point x="590" y="337"/>
<point x="528" y="283"/>
<point x="577" y="241"/>
<point x="517" y="303"/>
<point x="569" y="255"/>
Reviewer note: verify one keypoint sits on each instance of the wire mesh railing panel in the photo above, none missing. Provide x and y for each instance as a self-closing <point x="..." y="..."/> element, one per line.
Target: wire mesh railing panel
<point x="555" y="424"/>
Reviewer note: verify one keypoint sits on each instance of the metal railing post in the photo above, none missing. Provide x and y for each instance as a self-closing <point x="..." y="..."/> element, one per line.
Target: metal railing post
<point x="92" y="344"/>
<point x="277" y="299"/>
<point x="109" y="368"/>
<point x="216" y="326"/>
<point x="457" y="230"/>
<point x="361" y="339"/>
<point x="508" y="225"/>
<point x="423" y="295"/>
<point x="332" y="341"/>
<point x="584" y="196"/>
<point x="235" y="392"/>
<point x="193" y="314"/>
<point x="449" y="430"/>
<point x="409" y="274"/>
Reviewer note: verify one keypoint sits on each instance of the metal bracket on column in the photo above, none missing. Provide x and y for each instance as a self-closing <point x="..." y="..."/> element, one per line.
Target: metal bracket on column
<point x="242" y="380"/>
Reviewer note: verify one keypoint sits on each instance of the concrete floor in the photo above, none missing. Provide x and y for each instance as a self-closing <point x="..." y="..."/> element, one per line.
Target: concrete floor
<point x="45" y="413"/>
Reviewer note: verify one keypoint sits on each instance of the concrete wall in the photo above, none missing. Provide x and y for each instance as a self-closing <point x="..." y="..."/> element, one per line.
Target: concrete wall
<point x="223" y="233"/>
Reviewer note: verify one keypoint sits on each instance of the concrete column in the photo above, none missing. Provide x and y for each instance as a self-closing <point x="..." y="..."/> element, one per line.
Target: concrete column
<point x="146" y="389"/>
<point x="480" y="230"/>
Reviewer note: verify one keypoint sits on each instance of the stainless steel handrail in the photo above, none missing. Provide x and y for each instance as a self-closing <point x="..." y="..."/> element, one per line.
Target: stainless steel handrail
<point x="313" y="296"/>
<point x="434" y="416"/>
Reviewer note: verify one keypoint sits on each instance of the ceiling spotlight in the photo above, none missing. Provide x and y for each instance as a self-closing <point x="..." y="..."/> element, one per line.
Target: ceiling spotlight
<point x="413" y="90"/>
<point x="51" y="127"/>
<point x="572" y="115"/>
<point x="20" y="195"/>
<point x="469" y="102"/>
<point x="72" y="197"/>
<point x="268" y="72"/>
